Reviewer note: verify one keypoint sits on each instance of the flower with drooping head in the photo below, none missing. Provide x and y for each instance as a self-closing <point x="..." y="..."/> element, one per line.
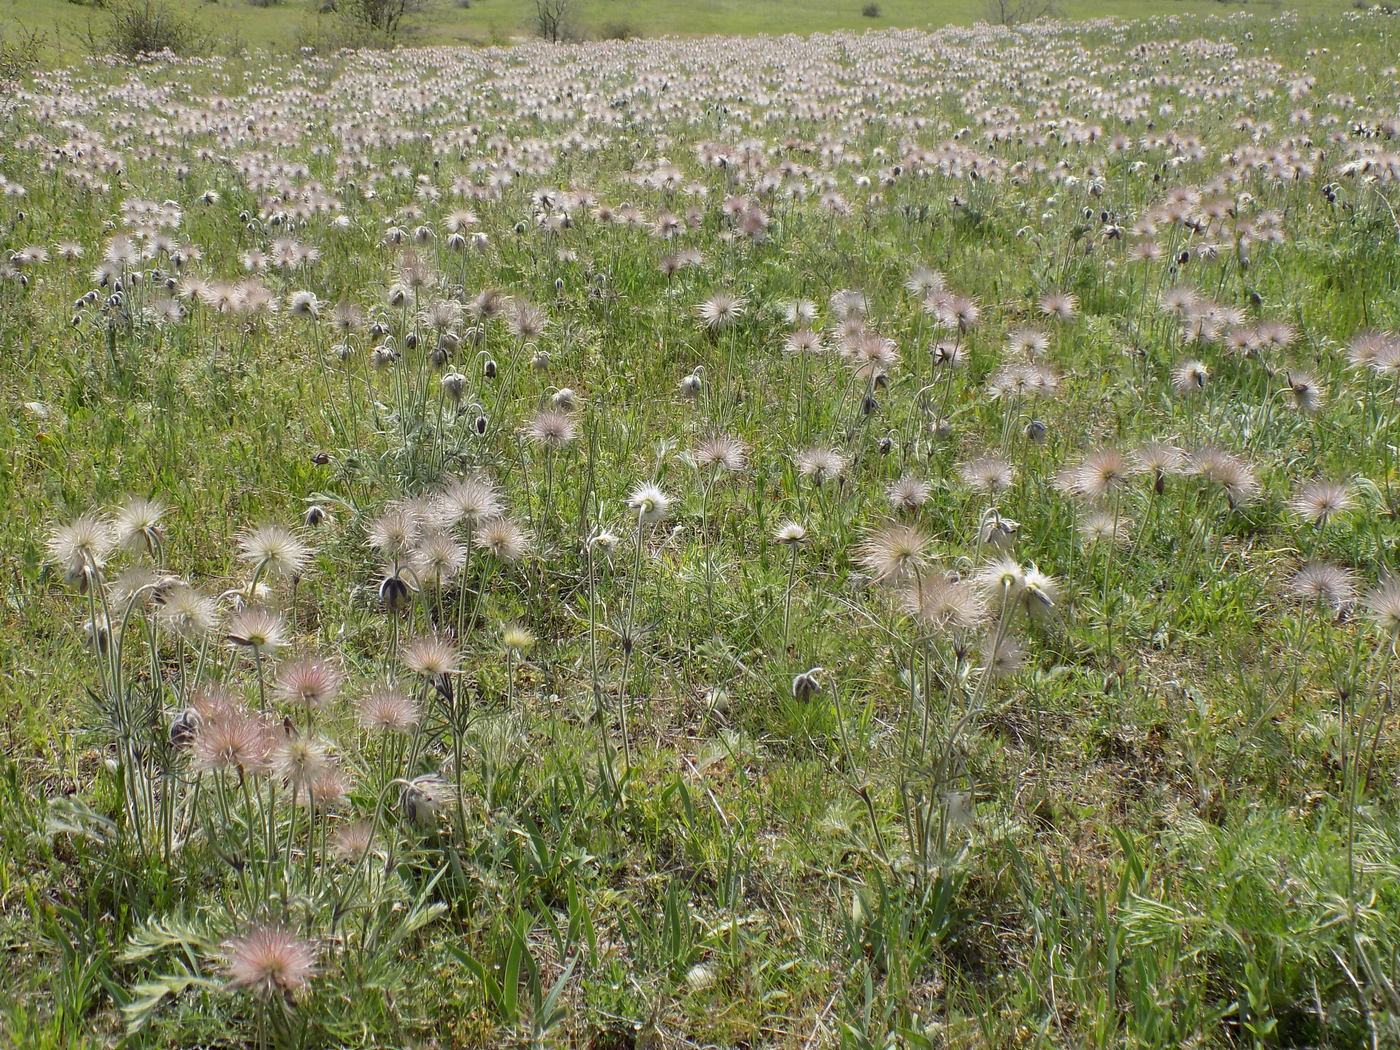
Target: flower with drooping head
<point x="1306" y="393"/>
<point x="270" y="548"/>
<point x="270" y="962"/>
<point x="649" y="503"/>
<point x="1040" y="593"/>
<point x="1189" y="377"/>
<point x="424" y="797"/>
<point x="137" y="525"/>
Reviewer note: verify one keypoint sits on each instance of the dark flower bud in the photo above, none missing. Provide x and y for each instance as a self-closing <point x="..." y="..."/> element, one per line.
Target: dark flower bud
<point x="182" y="729"/>
<point x="489" y="368"/>
<point x="481" y="425"/>
<point x="394" y="593"/>
<point x="807" y="684"/>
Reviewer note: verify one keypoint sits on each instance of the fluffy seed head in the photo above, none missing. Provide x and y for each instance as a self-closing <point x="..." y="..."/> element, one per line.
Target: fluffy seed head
<point x="894" y="553"/>
<point x="270" y="962"/>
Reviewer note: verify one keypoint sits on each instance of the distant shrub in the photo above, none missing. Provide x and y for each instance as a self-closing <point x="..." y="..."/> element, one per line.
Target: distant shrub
<point x="21" y="52"/>
<point x="619" y="31"/>
<point x="1014" y="12"/>
<point x="143" y="27"/>
<point x="871" y="10"/>
<point x="554" y="20"/>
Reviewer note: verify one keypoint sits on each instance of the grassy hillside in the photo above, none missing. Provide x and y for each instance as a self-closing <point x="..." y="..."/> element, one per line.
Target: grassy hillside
<point x="872" y="541"/>
<point x="499" y="21"/>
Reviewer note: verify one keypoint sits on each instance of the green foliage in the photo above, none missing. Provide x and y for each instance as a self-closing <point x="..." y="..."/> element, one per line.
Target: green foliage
<point x="695" y="774"/>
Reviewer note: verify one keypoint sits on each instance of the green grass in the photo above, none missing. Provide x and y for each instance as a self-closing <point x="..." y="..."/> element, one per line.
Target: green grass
<point x="730" y="792"/>
<point x="233" y="22"/>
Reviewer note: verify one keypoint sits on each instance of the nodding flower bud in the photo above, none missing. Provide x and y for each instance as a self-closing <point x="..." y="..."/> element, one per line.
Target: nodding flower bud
<point x="489" y="368"/>
<point x="559" y="285"/>
<point x="807" y="684"/>
<point x="378" y="330"/>
<point x="481" y="426"/>
<point x="397" y="296"/>
<point x="564" y="398"/>
<point x="1035" y="431"/>
<point x="521" y="227"/>
<point x="394" y="593"/>
<point x="941" y="427"/>
<point x="691" y="385"/>
<point x="411" y="340"/>
<point x="315" y="515"/>
<point x="182" y="729"/>
<point x="449" y="341"/>
<point x="868" y="404"/>
<point x="454" y="385"/>
<point x="437" y="358"/>
<point x="540" y="361"/>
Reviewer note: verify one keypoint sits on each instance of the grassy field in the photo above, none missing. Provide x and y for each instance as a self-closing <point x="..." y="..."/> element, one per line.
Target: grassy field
<point x="282" y="26"/>
<point x="880" y="540"/>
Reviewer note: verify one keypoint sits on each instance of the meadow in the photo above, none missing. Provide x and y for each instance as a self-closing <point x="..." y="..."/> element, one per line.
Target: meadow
<point x="869" y="540"/>
<point x="233" y="25"/>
